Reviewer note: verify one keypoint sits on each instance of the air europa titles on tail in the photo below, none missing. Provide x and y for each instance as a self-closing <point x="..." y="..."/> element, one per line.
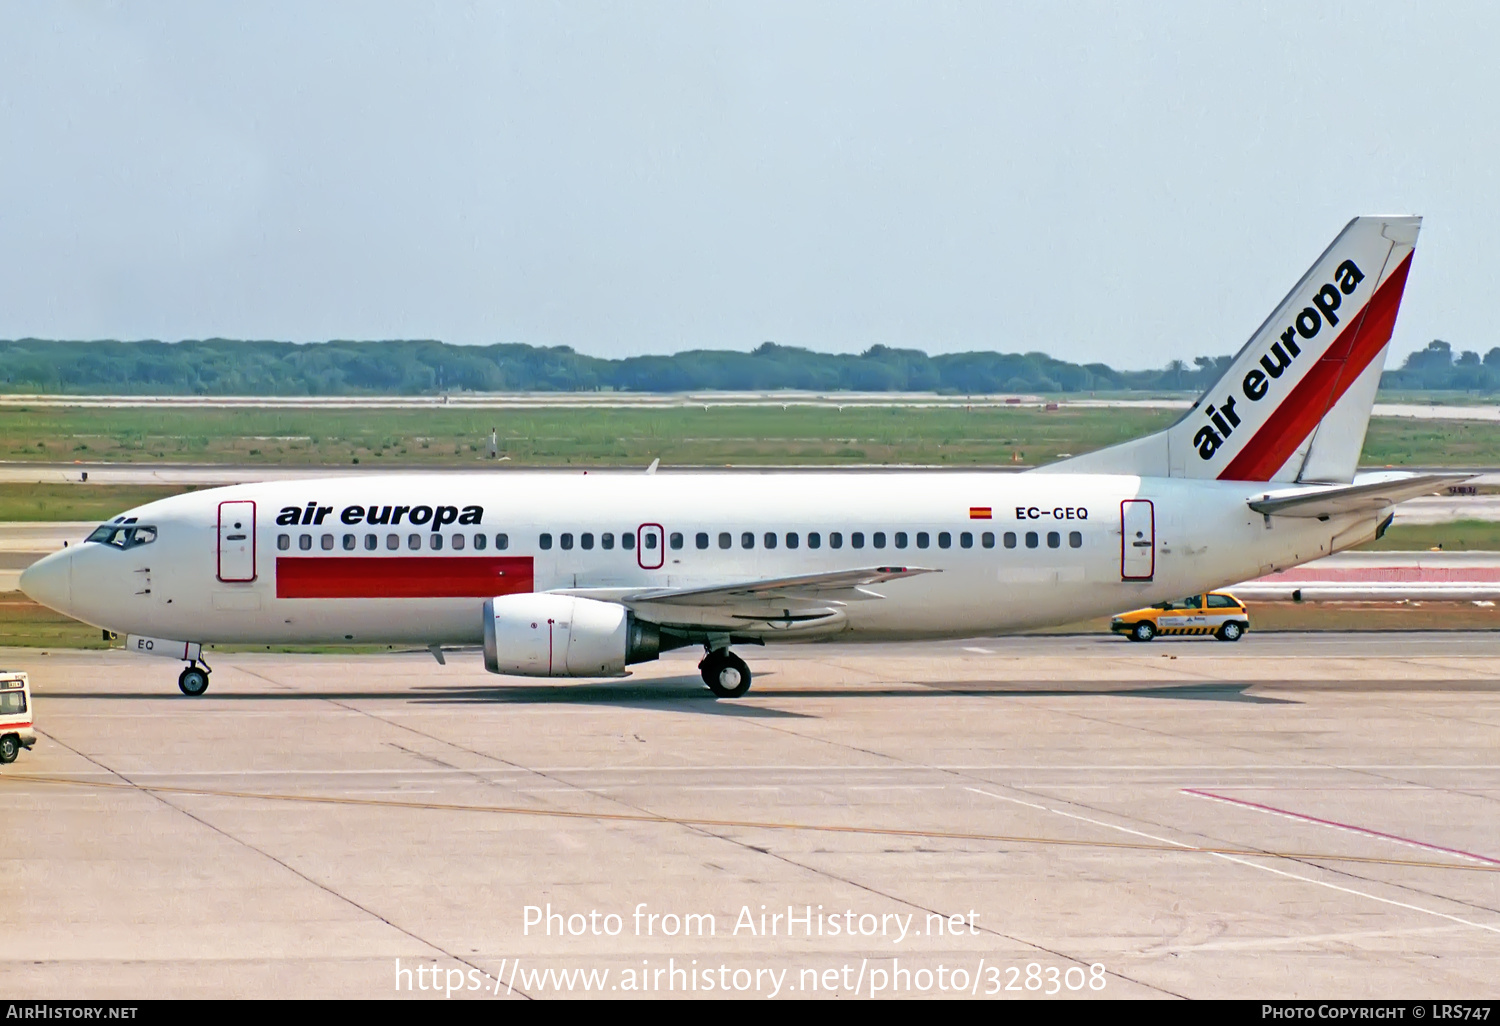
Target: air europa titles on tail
<point x="438" y="516"/>
<point x="1274" y="363"/>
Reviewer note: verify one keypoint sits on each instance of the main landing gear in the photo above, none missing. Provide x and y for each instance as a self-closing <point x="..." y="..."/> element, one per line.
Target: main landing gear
<point x="725" y="673"/>
<point x="194" y="680"/>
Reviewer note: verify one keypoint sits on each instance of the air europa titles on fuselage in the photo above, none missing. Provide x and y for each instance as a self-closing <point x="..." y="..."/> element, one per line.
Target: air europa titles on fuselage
<point x="1223" y="419"/>
<point x="438" y="516"/>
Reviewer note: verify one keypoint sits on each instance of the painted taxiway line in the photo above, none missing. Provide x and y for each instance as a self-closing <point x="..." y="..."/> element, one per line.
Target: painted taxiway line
<point x="1335" y="824"/>
<point x="1164" y="846"/>
<point x="1239" y="858"/>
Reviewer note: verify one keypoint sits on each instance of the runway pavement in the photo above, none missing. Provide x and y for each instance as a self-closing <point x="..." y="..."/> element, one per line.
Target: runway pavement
<point x="1283" y="817"/>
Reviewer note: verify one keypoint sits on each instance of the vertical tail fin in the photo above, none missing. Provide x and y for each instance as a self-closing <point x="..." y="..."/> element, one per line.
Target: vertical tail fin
<point x="1295" y="401"/>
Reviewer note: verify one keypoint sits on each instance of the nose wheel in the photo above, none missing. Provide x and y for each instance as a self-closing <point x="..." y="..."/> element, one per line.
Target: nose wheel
<point x="193" y="681"/>
<point x="725" y="673"/>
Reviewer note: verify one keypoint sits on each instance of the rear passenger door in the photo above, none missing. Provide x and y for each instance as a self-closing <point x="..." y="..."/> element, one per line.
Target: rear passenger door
<point x="1137" y="540"/>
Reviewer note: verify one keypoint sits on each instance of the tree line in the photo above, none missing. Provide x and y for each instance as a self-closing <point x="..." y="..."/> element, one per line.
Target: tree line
<point x="405" y="367"/>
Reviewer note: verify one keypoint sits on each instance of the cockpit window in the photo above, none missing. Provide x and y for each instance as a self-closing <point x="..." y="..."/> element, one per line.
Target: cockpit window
<point x="123" y="536"/>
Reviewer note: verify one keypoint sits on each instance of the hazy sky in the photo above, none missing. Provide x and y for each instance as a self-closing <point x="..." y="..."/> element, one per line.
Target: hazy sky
<point x="1122" y="182"/>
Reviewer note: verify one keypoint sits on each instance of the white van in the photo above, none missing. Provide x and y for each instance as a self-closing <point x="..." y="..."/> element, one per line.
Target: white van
<point x="16" y="731"/>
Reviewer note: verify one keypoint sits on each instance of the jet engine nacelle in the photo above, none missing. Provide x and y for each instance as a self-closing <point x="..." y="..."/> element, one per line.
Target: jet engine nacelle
<point x="538" y="635"/>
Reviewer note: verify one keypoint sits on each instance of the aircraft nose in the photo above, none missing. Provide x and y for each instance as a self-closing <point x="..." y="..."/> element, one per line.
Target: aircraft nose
<point x="50" y="581"/>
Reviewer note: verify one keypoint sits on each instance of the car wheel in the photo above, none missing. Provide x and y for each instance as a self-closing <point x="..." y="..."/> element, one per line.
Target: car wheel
<point x="1143" y="631"/>
<point x="1231" y="631"/>
<point x="10" y="747"/>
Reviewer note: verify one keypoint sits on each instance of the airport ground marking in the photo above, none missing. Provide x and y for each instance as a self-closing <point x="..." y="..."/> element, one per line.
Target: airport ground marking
<point x="1237" y="857"/>
<point x="832" y="828"/>
<point x="1335" y="824"/>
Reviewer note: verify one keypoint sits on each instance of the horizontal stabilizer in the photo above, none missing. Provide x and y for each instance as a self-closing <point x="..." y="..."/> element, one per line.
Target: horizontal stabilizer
<point x="1368" y="493"/>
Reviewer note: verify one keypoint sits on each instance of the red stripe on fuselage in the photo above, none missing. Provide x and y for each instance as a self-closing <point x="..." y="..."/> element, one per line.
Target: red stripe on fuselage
<point x="402" y="576"/>
<point x="1323" y="386"/>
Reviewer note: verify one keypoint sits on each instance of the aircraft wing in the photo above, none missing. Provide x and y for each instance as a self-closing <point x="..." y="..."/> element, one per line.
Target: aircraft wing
<point x="1367" y="494"/>
<point x="819" y="586"/>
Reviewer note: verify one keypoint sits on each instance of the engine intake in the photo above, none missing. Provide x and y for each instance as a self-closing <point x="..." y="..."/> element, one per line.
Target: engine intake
<point x="536" y="635"/>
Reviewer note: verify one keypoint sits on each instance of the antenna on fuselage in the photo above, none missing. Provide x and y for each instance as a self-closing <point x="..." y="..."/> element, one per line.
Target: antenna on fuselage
<point x="654" y="464"/>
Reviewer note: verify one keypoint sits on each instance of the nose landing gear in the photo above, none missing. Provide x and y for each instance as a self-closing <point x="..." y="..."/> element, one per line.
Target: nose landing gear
<point x="725" y="673"/>
<point x="193" y="681"/>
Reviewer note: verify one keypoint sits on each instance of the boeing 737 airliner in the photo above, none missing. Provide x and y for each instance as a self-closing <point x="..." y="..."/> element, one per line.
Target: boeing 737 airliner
<point x="563" y="574"/>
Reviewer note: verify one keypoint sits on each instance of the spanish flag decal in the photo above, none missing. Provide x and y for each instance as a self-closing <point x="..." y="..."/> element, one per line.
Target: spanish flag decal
<point x="980" y="513"/>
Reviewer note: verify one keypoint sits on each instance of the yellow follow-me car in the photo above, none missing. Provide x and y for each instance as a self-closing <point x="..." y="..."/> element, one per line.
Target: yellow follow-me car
<point x="1218" y="613"/>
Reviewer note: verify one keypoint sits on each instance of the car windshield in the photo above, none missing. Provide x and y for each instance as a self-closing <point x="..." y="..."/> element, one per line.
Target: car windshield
<point x="123" y="536"/>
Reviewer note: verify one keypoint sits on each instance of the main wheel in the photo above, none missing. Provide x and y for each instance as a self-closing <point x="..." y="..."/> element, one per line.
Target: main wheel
<point x="1143" y="631"/>
<point x="726" y="674"/>
<point x="10" y="747"/>
<point x="1231" y="631"/>
<point x="193" y="681"/>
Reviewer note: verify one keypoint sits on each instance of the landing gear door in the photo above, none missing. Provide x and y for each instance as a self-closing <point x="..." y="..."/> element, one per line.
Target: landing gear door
<point x="236" y="541"/>
<point x="1137" y="540"/>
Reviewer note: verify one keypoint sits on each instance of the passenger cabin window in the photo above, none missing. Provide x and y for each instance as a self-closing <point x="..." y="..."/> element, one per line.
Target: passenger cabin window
<point x="1032" y="540"/>
<point x="791" y="539"/>
<point x="607" y="540"/>
<point x="414" y="541"/>
<point x="987" y="539"/>
<point x="283" y="541"/>
<point x="814" y="539"/>
<point x="770" y="539"/>
<point x="349" y="542"/>
<point x="627" y="540"/>
<point x="701" y="539"/>
<point x="651" y="540"/>
<point x="747" y="540"/>
<point x="393" y="542"/>
<point x="326" y="542"/>
<point x="304" y="542"/>
<point x="835" y="540"/>
<point x="856" y="540"/>
<point x="1054" y="540"/>
<point x="675" y="540"/>
<point x="565" y="540"/>
<point x="543" y="542"/>
<point x="372" y="542"/>
<point x="586" y="540"/>
<point x="900" y="540"/>
<point x="726" y="539"/>
<point x="480" y="541"/>
<point x="435" y="543"/>
<point x="878" y="539"/>
<point x="502" y="541"/>
<point x="458" y="541"/>
<point x="965" y="540"/>
<point x="1075" y="539"/>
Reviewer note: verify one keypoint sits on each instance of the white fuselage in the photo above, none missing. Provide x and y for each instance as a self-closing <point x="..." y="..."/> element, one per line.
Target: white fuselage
<point x="301" y="582"/>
